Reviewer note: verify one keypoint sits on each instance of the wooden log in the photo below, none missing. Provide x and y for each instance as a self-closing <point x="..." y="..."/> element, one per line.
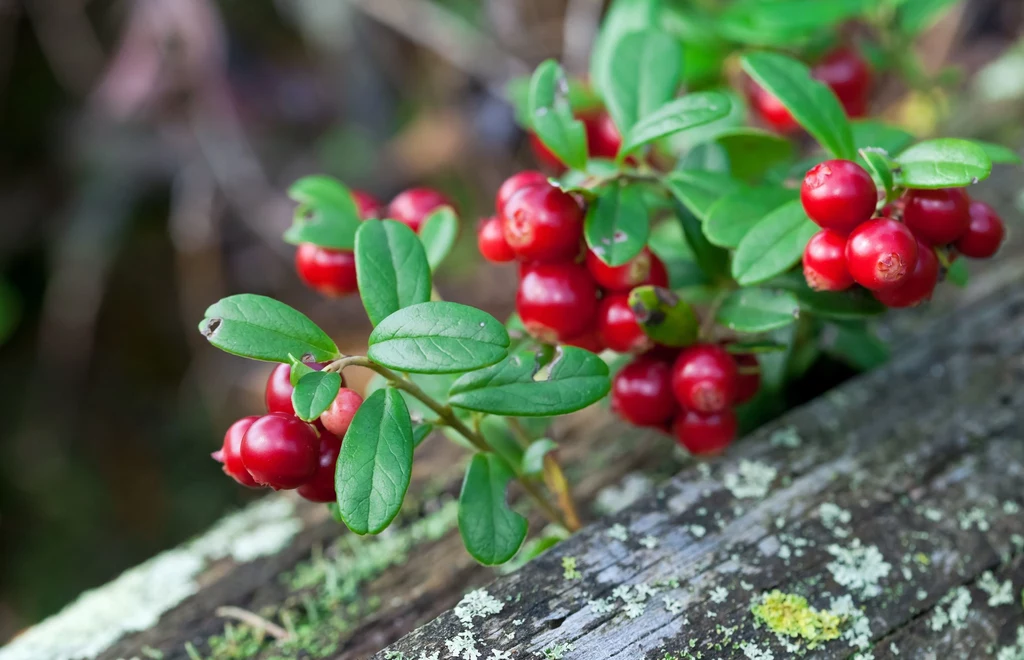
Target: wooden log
<point x="339" y="596"/>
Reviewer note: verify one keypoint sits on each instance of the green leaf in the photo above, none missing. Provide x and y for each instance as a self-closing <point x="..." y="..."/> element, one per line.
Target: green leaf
<point x="420" y="433"/>
<point x="812" y="104"/>
<point x="753" y="347"/>
<point x="687" y="112"/>
<point x="997" y="153"/>
<point x="582" y="98"/>
<point x="734" y="215"/>
<point x="533" y="458"/>
<point x="713" y="260"/>
<point x="783" y="22"/>
<point x="391" y="268"/>
<point x="957" y="273"/>
<point x="868" y="133"/>
<point x="375" y="463"/>
<point x="491" y="531"/>
<point x="438" y="338"/>
<point x="846" y="305"/>
<point x="644" y="73"/>
<point x="914" y="16"/>
<point x="552" y="118"/>
<point x="326" y="215"/>
<point x="314" y="394"/>
<point x="698" y="191"/>
<point x="773" y="245"/>
<point x="438" y="234"/>
<point x="758" y="310"/>
<point x="752" y="151"/>
<point x="297" y="370"/>
<point x="617" y="224"/>
<point x="622" y="17"/>
<point x="880" y="168"/>
<point x="709" y="157"/>
<point x="942" y="163"/>
<point x="262" y="328"/>
<point x="519" y="386"/>
<point x="664" y="316"/>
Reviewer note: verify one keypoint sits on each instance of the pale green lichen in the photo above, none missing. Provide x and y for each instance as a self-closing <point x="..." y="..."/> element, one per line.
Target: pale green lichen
<point x="751" y="480"/>
<point x="1014" y="651"/>
<point x="787" y="437"/>
<point x="790" y="615"/>
<point x="557" y="651"/>
<point x="858" y="567"/>
<point x="618" y="532"/>
<point x="999" y="593"/>
<point x="953" y="609"/>
<point x="569" y="570"/>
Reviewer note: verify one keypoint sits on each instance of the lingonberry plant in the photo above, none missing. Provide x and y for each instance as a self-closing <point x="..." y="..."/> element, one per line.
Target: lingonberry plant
<point x="709" y="260"/>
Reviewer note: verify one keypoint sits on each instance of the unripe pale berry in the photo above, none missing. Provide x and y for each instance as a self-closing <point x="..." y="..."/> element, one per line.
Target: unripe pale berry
<point x="338" y="416"/>
<point x="881" y="253"/>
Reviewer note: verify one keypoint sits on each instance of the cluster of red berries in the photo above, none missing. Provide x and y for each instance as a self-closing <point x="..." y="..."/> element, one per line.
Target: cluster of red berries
<point x="843" y="70"/>
<point x="566" y="293"/>
<point x="690" y="393"/>
<point x="281" y="451"/>
<point x="892" y="255"/>
<point x="333" y="272"/>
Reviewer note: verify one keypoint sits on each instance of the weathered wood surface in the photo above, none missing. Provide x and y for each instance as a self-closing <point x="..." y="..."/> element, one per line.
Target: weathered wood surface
<point x="282" y="559"/>
<point x="889" y="499"/>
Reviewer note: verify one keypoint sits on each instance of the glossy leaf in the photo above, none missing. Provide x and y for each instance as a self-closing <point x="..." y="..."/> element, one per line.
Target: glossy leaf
<point x="490" y="530"/>
<point x="520" y="386"/>
<point x="942" y="163"/>
<point x="773" y="245"/>
<point x="420" y="432"/>
<point x="879" y="167"/>
<point x="314" y="394"/>
<point x="846" y="305"/>
<point x="391" y="268"/>
<point x="297" y="370"/>
<point x="438" y="234"/>
<point x="752" y="151"/>
<point x="698" y="191"/>
<point x="869" y="133"/>
<point x="957" y="273"/>
<point x="644" y="72"/>
<point x="664" y="316"/>
<point x="262" y="328"/>
<point x="533" y="457"/>
<point x="687" y="112"/>
<point x="375" y="463"/>
<point x="783" y="22"/>
<point x="617" y="224"/>
<point x="326" y="215"/>
<point x="551" y="116"/>
<point x="621" y="18"/>
<point x="812" y="104"/>
<point x="731" y="217"/>
<point x="758" y="310"/>
<point x="438" y="338"/>
<point x="999" y="154"/>
<point x="713" y="260"/>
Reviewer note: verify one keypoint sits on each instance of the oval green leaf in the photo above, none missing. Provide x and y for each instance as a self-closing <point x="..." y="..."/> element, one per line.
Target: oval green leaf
<point x="391" y="268"/>
<point x="490" y="530"/>
<point x="812" y="103"/>
<point x="617" y="224"/>
<point x="942" y="163"/>
<point x="758" y="310"/>
<point x="622" y="17"/>
<point x="438" y="234"/>
<point x="687" y="112"/>
<point x="773" y="245"/>
<point x="868" y="133"/>
<point x="326" y="215"/>
<point x="645" y="68"/>
<point x="698" y="190"/>
<point x="262" y="328"/>
<point x="551" y="116"/>
<point x="533" y="457"/>
<point x="783" y="22"/>
<point x="314" y="394"/>
<point x="438" y="338"/>
<point x="520" y="386"/>
<point x="752" y="152"/>
<point x="375" y="463"/>
<point x="734" y="215"/>
<point x="847" y="305"/>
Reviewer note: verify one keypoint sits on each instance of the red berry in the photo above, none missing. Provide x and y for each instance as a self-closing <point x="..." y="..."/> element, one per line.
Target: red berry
<point x="704" y="378"/>
<point x="515" y="183"/>
<point x="938" y="217"/>
<point x="849" y="76"/>
<point x="543" y="223"/>
<point x="659" y="274"/>
<point x="411" y="207"/>
<point x="881" y="253"/>
<point x="327" y="271"/>
<point x="320" y="487"/>
<point x="918" y="286"/>
<point x="770" y="109"/>
<point x="230" y="453"/>
<point x="368" y="205"/>
<point x="603" y="138"/>
<point x="617" y="326"/>
<point x="338" y="416"/>
<point x="588" y="341"/>
<point x="825" y="262"/>
<point x="490" y="240"/>
<point x="545" y="156"/>
<point x="748" y="377"/>
<point x="984" y="234"/>
<point x="642" y="392"/>
<point x="704" y="435"/>
<point x="631" y="274"/>
<point x="838" y="195"/>
<point x="556" y="301"/>
<point x="281" y="451"/>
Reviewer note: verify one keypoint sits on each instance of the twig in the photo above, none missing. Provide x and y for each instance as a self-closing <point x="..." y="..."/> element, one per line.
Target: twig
<point x="254" y="620"/>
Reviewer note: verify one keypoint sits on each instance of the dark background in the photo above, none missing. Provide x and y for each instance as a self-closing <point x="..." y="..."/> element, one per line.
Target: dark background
<point x="145" y="147"/>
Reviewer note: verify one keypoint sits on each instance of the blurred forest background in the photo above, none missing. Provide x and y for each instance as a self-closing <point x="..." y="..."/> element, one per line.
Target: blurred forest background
<point x="145" y="147"/>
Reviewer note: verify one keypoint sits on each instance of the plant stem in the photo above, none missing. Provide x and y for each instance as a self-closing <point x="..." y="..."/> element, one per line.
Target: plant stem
<point x="448" y="416"/>
<point x="554" y="477"/>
